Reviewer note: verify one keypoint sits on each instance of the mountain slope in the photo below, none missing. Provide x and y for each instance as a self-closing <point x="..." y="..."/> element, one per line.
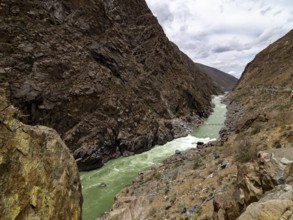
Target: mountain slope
<point x="271" y="67"/>
<point x="260" y="125"/>
<point x="249" y="171"/>
<point x="222" y="80"/>
<point x="102" y="73"/>
<point x="264" y="90"/>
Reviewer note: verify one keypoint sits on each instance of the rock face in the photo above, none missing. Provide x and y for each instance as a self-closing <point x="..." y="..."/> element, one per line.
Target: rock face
<point x="264" y="94"/>
<point x="277" y="204"/>
<point x="260" y="118"/>
<point x="271" y="67"/>
<point x="39" y="178"/>
<point x="102" y="73"/>
<point x="260" y="107"/>
<point x="260" y="188"/>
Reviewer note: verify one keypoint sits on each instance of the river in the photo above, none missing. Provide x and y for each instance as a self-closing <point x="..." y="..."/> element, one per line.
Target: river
<point x="120" y="172"/>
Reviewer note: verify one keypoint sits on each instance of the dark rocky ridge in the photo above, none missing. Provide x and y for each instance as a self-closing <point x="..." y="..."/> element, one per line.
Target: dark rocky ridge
<point x="102" y="73"/>
<point x="224" y="81"/>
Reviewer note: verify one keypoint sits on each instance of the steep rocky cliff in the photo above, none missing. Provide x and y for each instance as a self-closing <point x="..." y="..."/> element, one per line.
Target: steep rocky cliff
<point x="261" y="106"/>
<point x="39" y="178"/>
<point x="102" y="73"/>
<point x="246" y="175"/>
<point x="263" y="98"/>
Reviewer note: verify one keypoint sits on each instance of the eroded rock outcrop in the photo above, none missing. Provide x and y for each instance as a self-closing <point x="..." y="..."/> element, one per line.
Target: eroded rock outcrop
<point x="102" y="73"/>
<point x="260" y="184"/>
<point x="39" y="178"/>
<point x="276" y="204"/>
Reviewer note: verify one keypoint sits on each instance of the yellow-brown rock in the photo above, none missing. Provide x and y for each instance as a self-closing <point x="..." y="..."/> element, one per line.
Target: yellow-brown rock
<point x="248" y="179"/>
<point x="227" y="205"/>
<point x="38" y="177"/>
<point x="276" y="205"/>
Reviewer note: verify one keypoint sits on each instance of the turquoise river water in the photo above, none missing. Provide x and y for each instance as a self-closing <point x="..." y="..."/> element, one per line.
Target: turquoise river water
<point x="120" y="172"/>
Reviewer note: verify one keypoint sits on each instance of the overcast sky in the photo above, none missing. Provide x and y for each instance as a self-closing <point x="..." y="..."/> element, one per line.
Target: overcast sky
<point x="225" y="34"/>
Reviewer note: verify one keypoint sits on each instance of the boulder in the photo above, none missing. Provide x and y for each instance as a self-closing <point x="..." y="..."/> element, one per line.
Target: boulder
<point x="276" y="167"/>
<point x="128" y="208"/>
<point x="178" y="152"/>
<point x="276" y="204"/>
<point x="39" y="178"/>
<point x="228" y="205"/>
<point x="248" y="179"/>
<point x="272" y="168"/>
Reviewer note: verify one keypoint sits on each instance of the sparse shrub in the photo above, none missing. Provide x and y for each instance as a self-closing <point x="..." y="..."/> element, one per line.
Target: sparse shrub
<point x="153" y="212"/>
<point x="178" y="113"/>
<point x="199" y="211"/>
<point x="175" y="175"/>
<point x="245" y="151"/>
<point x="213" y="187"/>
<point x="227" y="186"/>
<point x="277" y="144"/>
<point x="146" y="180"/>
<point x="158" y="176"/>
<point x="151" y="199"/>
<point x="173" y="198"/>
<point x="197" y="163"/>
<point x="287" y="134"/>
<point x="180" y="207"/>
<point x="256" y="129"/>
<point x="220" y="180"/>
<point x="285" y="118"/>
<point x="178" y="164"/>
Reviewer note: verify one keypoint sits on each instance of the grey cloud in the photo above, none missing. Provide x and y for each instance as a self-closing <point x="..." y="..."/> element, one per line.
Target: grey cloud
<point x="222" y="48"/>
<point x="290" y="19"/>
<point x="222" y="9"/>
<point x="183" y="28"/>
<point x="234" y="41"/>
<point x="231" y="45"/>
<point x="197" y="53"/>
<point x="277" y="12"/>
<point x="266" y="10"/>
<point x="233" y="30"/>
<point x="183" y="11"/>
<point x="268" y="34"/>
<point x="203" y="54"/>
<point x="195" y="49"/>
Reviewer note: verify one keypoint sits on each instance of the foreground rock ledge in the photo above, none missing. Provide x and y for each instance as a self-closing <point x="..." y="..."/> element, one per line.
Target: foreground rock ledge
<point x="38" y="177"/>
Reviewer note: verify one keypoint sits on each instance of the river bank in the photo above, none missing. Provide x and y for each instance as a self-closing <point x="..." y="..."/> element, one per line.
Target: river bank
<point x="101" y="186"/>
